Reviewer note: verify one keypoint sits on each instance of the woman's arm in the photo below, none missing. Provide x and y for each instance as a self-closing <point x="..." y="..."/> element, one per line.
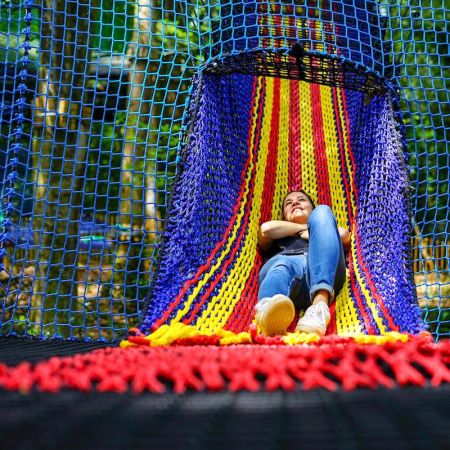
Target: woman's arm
<point x="277" y="229"/>
<point x="345" y="237"/>
<point x="343" y="233"/>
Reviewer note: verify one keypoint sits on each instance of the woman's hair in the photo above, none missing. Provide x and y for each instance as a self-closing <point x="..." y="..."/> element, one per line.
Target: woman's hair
<point x="304" y="193"/>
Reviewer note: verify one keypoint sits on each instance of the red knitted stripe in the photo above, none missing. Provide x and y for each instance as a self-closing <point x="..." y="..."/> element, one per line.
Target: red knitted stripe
<point x="271" y="163"/>
<point x="365" y="313"/>
<point x="349" y="145"/>
<point x="323" y="181"/>
<point x="230" y="257"/>
<point x="242" y="315"/>
<point x="295" y="160"/>
<point x="291" y="31"/>
<point x="203" y="268"/>
<point x="248" y="297"/>
<point x="220" y="275"/>
<point x="362" y="306"/>
<point x="263" y="12"/>
<point x="332" y="326"/>
<point x="329" y="37"/>
<point x="345" y="174"/>
<point x="334" y="362"/>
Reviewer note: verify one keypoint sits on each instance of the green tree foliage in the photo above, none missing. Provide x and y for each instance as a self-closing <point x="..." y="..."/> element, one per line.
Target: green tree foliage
<point x="419" y="31"/>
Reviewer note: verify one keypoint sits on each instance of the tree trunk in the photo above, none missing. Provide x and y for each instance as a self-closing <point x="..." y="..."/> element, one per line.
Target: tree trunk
<point x="60" y="141"/>
<point x="137" y="201"/>
<point x="134" y="208"/>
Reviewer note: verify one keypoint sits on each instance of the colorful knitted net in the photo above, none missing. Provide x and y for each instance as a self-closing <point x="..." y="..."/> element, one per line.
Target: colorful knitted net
<point x="252" y="139"/>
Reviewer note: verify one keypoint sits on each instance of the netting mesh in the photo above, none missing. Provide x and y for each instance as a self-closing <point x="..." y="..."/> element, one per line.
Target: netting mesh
<point x="93" y="98"/>
<point x="251" y="140"/>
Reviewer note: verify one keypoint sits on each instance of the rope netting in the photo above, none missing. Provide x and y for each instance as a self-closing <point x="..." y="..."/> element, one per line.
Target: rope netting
<point x="251" y="140"/>
<point x="92" y="135"/>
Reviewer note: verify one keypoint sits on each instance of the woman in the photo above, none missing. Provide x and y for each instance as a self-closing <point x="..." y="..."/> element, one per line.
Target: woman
<point x="306" y="265"/>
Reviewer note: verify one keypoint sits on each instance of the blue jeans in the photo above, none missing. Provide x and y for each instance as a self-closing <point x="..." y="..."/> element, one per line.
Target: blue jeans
<point x="301" y="276"/>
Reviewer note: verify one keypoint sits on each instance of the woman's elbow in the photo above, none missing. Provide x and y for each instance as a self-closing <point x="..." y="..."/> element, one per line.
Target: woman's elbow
<point x="264" y="242"/>
<point x="345" y="237"/>
<point x="264" y="228"/>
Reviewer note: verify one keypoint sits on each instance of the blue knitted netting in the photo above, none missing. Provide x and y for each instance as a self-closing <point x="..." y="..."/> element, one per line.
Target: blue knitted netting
<point x="93" y="96"/>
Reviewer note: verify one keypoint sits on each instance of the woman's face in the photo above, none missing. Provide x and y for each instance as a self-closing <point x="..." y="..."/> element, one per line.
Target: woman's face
<point x="297" y="207"/>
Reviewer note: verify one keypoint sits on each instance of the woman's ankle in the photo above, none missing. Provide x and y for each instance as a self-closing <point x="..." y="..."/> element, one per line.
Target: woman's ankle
<point x="321" y="296"/>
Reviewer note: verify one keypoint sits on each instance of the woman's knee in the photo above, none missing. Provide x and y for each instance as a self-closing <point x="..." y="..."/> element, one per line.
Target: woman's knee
<point x="271" y="267"/>
<point x="281" y="267"/>
<point x="321" y="215"/>
<point x="285" y="267"/>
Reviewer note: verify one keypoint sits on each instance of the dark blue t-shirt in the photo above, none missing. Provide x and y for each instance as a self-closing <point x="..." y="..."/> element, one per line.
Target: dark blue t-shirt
<point x="290" y="245"/>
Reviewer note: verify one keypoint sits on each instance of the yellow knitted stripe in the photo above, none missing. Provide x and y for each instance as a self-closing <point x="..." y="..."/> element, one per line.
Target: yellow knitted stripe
<point x="347" y="322"/>
<point x="309" y="182"/>
<point x="346" y="316"/>
<point x="305" y="338"/>
<point x="231" y="239"/>
<point x="221" y="305"/>
<point x="166" y="335"/>
<point x="337" y="190"/>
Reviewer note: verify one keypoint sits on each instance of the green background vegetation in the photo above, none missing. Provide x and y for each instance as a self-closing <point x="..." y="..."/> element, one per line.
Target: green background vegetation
<point x="130" y="146"/>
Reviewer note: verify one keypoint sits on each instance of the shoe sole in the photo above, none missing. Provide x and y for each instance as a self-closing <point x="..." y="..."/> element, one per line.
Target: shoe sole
<point x="279" y="315"/>
<point x="310" y="329"/>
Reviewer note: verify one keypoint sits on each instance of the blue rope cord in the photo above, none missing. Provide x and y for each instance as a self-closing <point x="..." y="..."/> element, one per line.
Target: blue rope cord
<point x="16" y="137"/>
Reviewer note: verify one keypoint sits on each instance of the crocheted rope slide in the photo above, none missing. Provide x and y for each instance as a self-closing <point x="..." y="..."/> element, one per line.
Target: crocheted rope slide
<point x="250" y="140"/>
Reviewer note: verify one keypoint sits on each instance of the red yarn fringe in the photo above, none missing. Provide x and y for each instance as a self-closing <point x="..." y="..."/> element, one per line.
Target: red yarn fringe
<point x="332" y="364"/>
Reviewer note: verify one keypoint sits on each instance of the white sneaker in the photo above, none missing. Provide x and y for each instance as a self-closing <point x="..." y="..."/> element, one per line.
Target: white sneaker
<point x="315" y="320"/>
<point x="274" y="314"/>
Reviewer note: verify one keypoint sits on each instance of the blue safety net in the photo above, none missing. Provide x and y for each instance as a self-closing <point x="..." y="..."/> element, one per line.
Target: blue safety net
<point x="94" y="118"/>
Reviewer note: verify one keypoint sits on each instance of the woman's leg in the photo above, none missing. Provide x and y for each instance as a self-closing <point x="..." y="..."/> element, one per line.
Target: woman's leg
<point x="326" y="259"/>
<point x="278" y="274"/>
<point x="325" y="274"/>
<point x="275" y="310"/>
